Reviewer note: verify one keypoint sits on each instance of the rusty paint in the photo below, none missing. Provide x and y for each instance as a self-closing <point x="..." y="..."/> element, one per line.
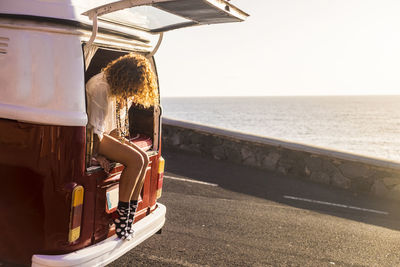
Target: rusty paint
<point x="52" y="139"/>
<point x="41" y="142"/>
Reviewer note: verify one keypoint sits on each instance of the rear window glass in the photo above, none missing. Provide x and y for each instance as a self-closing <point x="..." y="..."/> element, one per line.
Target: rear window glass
<point x="144" y="17"/>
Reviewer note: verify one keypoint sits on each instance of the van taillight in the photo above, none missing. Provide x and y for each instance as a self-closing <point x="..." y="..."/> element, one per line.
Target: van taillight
<point x="76" y="214"/>
<point x="161" y="165"/>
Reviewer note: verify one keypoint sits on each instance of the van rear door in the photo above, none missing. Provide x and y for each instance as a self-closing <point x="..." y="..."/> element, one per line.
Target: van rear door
<point x="158" y="16"/>
<point x="151" y="17"/>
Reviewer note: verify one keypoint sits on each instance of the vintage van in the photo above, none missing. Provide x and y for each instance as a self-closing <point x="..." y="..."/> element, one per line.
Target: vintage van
<point x="56" y="202"/>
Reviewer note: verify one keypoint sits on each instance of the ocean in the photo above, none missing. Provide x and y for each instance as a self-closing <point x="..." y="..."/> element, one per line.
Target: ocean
<point x="364" y="125"/>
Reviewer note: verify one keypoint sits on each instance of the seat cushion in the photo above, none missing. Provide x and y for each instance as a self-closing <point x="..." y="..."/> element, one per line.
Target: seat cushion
<point x="142" y="141"/>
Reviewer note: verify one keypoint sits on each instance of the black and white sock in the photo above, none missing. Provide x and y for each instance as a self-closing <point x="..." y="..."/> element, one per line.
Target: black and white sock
<point x="133" y="204"/>
<point x="121" y="222"/>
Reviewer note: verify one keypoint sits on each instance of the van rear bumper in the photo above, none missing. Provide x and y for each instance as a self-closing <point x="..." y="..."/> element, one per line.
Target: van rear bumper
<point x="107" y="250"/>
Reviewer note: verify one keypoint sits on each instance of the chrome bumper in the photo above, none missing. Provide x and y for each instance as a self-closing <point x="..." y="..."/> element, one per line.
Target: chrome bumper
<point x="107" y="250"/>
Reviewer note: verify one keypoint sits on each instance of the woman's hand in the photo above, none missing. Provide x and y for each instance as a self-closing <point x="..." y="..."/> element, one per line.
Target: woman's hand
<point x="104" y="163"/>
<point x="115" y="133"/>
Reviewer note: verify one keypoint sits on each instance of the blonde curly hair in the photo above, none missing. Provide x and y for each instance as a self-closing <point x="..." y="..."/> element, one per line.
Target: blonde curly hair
<point x="132" y="76"/>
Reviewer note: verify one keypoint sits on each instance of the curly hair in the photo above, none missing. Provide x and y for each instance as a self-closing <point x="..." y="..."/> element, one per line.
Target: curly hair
<point x="132" y="76"/>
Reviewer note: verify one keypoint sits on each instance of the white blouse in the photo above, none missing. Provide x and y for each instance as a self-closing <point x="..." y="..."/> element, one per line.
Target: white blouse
<point x="100" y="106"/>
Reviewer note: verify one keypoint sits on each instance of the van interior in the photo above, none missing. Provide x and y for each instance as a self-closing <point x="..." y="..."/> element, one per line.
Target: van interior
<point x="144" y="123"/>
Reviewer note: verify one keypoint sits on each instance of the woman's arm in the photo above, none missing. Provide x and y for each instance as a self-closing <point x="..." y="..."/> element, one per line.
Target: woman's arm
<point x="104" y="162"/>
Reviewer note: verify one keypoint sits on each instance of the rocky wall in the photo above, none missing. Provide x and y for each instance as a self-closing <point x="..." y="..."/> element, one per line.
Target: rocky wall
<point x="344" y="170"/>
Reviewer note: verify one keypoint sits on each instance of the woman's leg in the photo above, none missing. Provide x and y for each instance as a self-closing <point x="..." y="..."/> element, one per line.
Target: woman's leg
<point x="133" y="161"/>
<point x="133" y="204"/>
<point x="138" y="187"/>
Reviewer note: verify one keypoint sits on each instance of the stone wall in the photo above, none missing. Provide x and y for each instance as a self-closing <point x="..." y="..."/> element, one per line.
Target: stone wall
<point x="344" y="170"/>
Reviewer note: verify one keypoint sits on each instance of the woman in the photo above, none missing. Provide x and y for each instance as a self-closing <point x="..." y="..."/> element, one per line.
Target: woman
<point x="124" y="80"/>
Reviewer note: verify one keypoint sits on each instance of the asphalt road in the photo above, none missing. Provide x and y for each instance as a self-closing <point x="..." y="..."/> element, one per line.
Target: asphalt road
<point x="220" y="214"/>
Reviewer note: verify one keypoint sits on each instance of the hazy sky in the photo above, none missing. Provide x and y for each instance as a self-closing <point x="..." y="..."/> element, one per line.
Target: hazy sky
<point x="288" y="47"/>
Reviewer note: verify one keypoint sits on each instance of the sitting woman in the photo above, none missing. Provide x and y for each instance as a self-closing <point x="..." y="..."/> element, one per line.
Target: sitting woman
<point x="127" y="79"/>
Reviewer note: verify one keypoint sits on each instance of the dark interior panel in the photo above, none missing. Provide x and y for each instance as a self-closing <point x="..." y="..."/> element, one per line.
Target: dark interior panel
<point x="141" y="120"/>
<point x="100" y="61"/>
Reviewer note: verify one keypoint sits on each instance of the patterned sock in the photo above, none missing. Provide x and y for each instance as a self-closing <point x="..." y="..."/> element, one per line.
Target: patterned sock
<point x="133" y="204"/>
<point x="121" y="222"/>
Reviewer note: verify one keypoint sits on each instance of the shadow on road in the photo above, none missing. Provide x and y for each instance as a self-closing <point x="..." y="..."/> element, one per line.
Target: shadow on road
<point x="275" y="187"/>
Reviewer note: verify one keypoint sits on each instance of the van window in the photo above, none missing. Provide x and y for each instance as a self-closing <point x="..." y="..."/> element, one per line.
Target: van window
<point x="145" y="17"/>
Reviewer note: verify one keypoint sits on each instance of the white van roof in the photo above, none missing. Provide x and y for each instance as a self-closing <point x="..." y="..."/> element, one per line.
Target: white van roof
<point x="42" y="66"/>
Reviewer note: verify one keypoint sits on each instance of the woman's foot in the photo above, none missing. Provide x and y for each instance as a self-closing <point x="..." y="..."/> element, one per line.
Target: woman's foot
<point x="121" y="222"/>
<point x="133" y="204"/>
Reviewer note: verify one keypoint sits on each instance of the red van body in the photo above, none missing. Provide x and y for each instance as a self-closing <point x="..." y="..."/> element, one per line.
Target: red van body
<point x="41" y="166"/>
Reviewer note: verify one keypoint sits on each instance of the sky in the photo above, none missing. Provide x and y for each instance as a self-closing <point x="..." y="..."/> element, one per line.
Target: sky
<point x="287" y="47"/>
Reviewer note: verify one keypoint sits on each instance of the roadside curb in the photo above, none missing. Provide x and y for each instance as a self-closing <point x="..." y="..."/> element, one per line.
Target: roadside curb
<point x="339" y="169"/>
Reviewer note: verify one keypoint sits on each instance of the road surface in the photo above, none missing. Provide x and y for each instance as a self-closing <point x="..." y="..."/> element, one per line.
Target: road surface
<point x="221" y="214"/>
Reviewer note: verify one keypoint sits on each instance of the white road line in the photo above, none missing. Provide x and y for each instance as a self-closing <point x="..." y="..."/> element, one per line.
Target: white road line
<point x="336" y="205"/>
<point x="174" y="262"/>
<point x="188" y="180"/>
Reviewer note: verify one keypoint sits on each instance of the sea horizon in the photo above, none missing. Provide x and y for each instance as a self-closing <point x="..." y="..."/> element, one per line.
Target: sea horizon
<point x="249" y="96"/>
<point x="367" y="125"/>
